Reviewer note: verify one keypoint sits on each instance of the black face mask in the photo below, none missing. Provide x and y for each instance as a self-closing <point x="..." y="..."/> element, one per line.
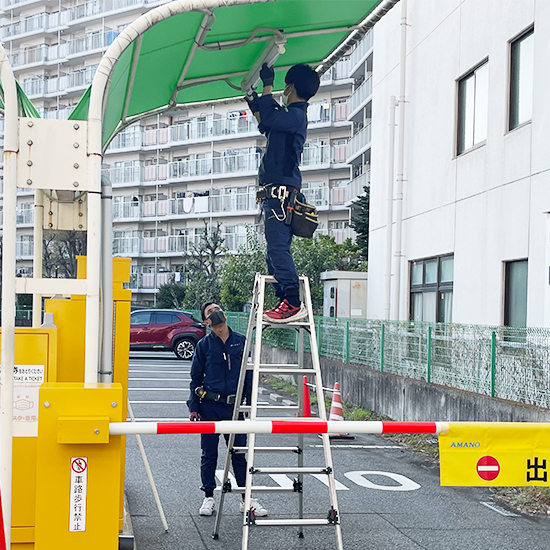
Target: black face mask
<point x="217" y="317"/>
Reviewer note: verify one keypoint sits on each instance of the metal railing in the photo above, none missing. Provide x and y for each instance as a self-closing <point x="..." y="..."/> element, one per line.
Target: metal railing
<point x="360" y="94"/>
<point x="359" y="140"/>
<point x="355" y="187"/>
<point x="361" y="49"/>
<point x="505" y="362"/>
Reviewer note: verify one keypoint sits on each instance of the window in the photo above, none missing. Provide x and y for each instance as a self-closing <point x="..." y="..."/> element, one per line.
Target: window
<point x="140" y="318"/>
<point x="515" y="294"/>
<point x="521" y="79"/>
<point x="432" y="289"/>
<point x="166" y="318"/>
<point x="473" y="100"/>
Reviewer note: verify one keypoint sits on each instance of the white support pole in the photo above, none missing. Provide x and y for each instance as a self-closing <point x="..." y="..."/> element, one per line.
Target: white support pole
<point x="149" y="472"/>
<point x="106" y="370"/>
<point x="389" y="212"/>
<point x="7" y="358"/>
<point x="38" y="252"/>
<point x="400" y="163"/>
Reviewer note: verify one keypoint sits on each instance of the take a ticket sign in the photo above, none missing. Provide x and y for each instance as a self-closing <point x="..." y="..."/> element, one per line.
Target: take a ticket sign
<point x="498" y="454"/>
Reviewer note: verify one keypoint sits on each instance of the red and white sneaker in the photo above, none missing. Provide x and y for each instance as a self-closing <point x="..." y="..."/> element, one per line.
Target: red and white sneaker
<point x="283" y="312"/>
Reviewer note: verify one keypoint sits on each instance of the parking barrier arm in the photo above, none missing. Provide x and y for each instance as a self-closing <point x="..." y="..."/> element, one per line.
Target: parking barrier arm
<point x="277" y="427"/>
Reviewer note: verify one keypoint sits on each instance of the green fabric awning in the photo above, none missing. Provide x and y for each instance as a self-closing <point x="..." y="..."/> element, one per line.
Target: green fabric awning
<point x="149" y="71"/>
<point x="25" y="107"/>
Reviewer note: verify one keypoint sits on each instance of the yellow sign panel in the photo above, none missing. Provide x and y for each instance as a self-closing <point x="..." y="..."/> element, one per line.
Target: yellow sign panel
<point x="498" y="454"/>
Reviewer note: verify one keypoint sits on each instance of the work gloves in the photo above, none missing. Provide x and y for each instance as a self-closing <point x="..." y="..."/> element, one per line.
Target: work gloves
<point x="267" y="74"/>
<point x="252" y="100"/>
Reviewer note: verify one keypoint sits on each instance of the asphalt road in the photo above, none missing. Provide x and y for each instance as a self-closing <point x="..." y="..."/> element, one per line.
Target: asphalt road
<point x="398" y="504"/>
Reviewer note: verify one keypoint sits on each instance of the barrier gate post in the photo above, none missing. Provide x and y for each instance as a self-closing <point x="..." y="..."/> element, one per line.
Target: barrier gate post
<point x="78" y="467"/>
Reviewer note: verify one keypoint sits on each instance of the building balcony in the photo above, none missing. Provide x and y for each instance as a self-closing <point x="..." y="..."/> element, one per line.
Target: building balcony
<point x="24" y="250"/>
<point x="359" y="143"/>
<point x="23" y="216"/>
<point x="359" y="98"/>
<point x="359" y="55"/>
<point x="204" y="129"/>
<point x="339" y="235"/>
<point x="74" y="17"/>
<point x="173" y="245"/>
<point x="337" y="75"/>
<point x="151" y="281"/>
<point x="226" y="204"/>
<point x="355" y="188"/>
<point x="71" y="83"/>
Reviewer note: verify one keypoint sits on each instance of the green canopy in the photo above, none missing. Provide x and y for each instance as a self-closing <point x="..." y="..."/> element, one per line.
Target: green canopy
<point x="148" y="76"/>
<point x="25" y="107"/>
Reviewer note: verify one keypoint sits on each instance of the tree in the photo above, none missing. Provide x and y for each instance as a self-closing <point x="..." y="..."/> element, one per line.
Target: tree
<point x="313" y="256"/>
<point x="360" y="222"/>
<point x="202" y="267"/>
<point x="171" y="296"/>
<point x="237" y="273"/>
<point x="60" y="251"/>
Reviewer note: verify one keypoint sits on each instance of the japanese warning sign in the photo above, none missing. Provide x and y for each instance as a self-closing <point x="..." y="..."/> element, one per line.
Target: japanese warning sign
<point x="505" y="454"/>
<point x="27" y="380"/>
<point x="79" y="489"/>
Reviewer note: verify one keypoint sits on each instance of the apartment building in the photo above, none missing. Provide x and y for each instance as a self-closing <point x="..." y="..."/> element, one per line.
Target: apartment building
<point x="476" y="191"/>
<point x="174" y="172"/>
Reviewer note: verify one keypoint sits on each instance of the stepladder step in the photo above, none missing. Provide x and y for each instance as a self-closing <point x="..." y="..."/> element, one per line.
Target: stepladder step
<point x="242" y="450"/>
<point x="297" y="470"/>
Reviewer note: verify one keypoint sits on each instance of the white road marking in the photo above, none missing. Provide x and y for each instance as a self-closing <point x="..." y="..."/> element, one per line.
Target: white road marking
<point x="162" y="379"/>
<point x="323" y="479"/>
<point x="159" y="371"/>
<point x="405" y="484"/>
<point x="155" y="402"/>
<point x="492" y="506"/>
<point x="158" y="389"/>
<point x="359" y="446"/>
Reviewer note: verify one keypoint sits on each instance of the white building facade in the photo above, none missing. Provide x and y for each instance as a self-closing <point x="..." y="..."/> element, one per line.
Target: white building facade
<point x="476" y="181"/>
<point x="173" y="172"/>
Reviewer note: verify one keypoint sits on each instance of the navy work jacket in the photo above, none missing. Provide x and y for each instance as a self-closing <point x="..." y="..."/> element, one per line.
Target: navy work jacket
<point x="216" y="367"/>
<point x="286" y="130"/>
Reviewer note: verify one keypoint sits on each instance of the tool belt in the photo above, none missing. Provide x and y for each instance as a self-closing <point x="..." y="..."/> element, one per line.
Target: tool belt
<point x="279" y="192"/>
<point x="301" y="216"/>
<point x="206" y="395"/>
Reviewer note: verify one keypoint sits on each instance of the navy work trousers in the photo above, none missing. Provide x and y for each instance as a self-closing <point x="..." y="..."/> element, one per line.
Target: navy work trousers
<point x="278" y="236"/>
<point x="212" y="410"/>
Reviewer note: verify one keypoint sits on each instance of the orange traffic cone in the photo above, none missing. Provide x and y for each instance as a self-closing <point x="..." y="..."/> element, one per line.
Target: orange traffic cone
<point x="337" y="413"/>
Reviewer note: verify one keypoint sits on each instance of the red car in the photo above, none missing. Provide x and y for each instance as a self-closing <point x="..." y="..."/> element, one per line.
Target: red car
<point x="165" y="329"/>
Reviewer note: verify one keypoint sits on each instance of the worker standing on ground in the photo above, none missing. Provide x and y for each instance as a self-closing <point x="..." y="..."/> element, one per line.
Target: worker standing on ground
<point x="215" y="372"/>
<point x="279" y="177"/>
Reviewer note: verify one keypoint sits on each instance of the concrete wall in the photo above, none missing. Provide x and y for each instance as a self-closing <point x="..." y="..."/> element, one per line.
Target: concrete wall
<point x="402" y="398"/>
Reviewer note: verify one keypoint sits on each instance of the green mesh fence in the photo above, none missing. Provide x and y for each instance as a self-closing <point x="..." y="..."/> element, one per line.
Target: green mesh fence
<point x="506" y="362"/>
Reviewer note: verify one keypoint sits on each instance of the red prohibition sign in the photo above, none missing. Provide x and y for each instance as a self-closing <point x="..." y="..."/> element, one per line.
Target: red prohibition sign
<point x="488" y="468"/>
<point x="78" y="465"/>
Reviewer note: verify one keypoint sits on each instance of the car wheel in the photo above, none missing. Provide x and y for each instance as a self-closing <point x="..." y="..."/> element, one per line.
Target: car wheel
<point x="184" y="349"/>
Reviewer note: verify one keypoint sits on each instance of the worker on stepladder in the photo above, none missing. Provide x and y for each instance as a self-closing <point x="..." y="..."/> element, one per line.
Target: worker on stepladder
<point x="215" y="374"/>
<point x="279" y="177"/>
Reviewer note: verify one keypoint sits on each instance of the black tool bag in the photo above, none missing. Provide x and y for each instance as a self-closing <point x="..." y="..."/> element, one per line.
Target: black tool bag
<point x="304" y="218"/>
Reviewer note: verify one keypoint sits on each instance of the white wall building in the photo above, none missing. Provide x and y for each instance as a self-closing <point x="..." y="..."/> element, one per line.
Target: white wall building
<point x="172" y="172"/>
<point x="476" y="191"/>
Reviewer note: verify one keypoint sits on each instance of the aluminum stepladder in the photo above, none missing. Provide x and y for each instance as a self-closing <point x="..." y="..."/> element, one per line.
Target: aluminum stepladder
<point x="256" y="325"/>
